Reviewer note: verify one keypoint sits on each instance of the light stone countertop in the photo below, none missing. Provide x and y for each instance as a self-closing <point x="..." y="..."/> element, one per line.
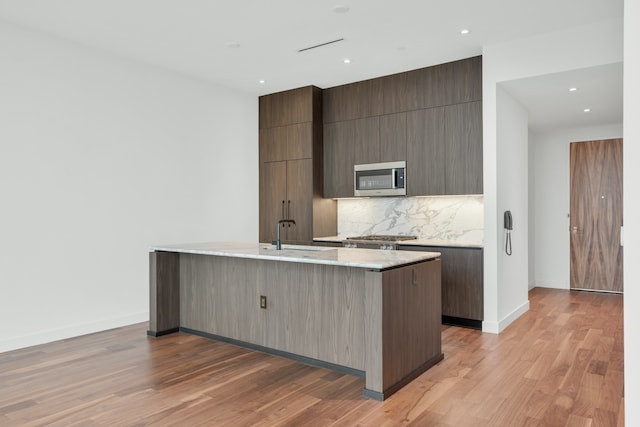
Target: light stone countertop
<point x="362" y="258"/>
<point x="416" y="242"/>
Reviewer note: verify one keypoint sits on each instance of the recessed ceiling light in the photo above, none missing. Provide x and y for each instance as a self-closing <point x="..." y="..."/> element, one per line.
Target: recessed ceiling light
<point x="261" y="81"/>
<point x="346" y="61"/>
<point x="587" y="110"/>
<point x="341" y="9"/>
<point x="573" y="89"/>
<point x="233" y="45"/>
<point x="465" y="31"/>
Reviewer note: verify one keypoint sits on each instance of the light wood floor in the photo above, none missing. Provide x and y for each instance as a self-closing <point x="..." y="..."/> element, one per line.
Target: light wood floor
<point x="561" y="364"/>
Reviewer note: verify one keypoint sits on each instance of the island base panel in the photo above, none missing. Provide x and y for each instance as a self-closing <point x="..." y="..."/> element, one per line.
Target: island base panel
<point x="403" y="332"/>
<point x="383" y="323"/>
<point x="303" y="359"/>
<point x="372" y="394"/>
<point x="164" y="293"/>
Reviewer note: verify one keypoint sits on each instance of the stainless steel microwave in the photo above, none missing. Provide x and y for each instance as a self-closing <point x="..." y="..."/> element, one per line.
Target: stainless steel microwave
<point x="380" y="179"/>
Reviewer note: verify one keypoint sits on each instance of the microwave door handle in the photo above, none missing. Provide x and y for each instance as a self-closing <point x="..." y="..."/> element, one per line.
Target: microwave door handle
<point x="394" y="178"/>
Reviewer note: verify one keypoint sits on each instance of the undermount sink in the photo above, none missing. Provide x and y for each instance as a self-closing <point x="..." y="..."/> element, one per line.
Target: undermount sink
<point x="298" y="248"/>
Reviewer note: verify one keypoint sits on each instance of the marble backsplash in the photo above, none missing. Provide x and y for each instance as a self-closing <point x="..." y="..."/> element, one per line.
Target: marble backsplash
<point x="452" y="218"/>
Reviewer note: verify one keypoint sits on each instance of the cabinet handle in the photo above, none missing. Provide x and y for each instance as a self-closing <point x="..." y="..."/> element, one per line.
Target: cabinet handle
<point x="289" y="210"/>
<point x="283" y="217"/>
<point x="414" y="277"/>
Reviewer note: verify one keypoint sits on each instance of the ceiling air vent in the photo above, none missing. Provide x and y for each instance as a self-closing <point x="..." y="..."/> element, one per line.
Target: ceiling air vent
<point x="320" y="45"/>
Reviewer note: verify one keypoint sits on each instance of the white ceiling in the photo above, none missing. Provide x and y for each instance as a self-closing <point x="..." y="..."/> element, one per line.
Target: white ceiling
<point x="551" y="105"/>
<point x="381" y="37"/>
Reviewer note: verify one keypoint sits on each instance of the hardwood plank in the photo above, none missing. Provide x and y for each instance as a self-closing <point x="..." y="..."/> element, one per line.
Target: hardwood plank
<point x="536" y="373"/>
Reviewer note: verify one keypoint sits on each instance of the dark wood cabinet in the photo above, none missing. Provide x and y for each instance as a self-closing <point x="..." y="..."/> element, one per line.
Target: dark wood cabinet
<point x="430" y="117"/>
<point x="463" y="153"/>
<point x="339" y="158"/>
<point x="393" y="137"/>
<point x="444" y="150"/>
<point x="462" y="284"/>
<point x="285" y="108"/>
<point x="286" y="142"/>
<point x="291" y="166"/>
<point x="300" y="200"/>
<point x="273" y="198"/>
<point x="445" y="84"/>
<point x="427" y="88"/>
<point x="349" y="143"/>
<point x="352" y="101"/>
<point x="366" y="140"/>
<point x="394" y="93"/>
<point x="426" y="152"/>
<point x="286" y="190"/>
<point x="463" y="289"/>
<point x="466" y="75"/>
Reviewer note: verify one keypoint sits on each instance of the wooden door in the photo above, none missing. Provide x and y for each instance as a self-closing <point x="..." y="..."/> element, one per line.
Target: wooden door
<point x="273" y="196"/>
<point x="596" y="215"/>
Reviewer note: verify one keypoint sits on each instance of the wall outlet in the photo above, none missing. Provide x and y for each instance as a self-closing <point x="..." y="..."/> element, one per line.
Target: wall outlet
<point x="263" y="301"/>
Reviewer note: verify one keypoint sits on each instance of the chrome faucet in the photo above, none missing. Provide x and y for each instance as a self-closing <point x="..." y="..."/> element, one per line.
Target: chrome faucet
<point x="278" y="242"/>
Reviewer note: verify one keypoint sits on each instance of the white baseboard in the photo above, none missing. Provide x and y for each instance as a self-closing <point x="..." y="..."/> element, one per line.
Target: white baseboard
<point x="552" y="285"/>
<point x="497" y="327"/>
<point x="490" y="327"/>
<point x="71" y="331"/>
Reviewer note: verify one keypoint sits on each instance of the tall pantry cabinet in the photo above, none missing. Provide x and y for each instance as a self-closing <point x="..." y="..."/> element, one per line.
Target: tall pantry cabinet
<point x="291" y="167"/>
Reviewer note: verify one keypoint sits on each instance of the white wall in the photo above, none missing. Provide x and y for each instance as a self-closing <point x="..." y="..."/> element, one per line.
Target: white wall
<point x="100" y="158"/>
<point x="532" y="222"/>
<point x="513" y="181"/>
<point x="574" y="48"/>
<point x="551" y="200"/>
<point x="631" y="178"/>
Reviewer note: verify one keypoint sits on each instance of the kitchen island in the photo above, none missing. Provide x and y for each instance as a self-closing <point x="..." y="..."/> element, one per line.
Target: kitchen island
<point x="371" y="313"/>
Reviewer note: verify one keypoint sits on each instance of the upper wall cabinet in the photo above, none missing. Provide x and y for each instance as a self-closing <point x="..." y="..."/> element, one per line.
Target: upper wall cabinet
<point x="463" y="136"/>
<point x="431" y="117"/>
<point x="444" y="150"/>
<point x="394" y="93"/>
<point x="393" y="137"/>
<point x="375" y="97"/>
<point x="426" y="152"/>
<point x="339" y="158"/>
<point x="352" y="142"/>
<point x="287" y="108"/>
<point x="352" y="101"/>
<point x="445" y="84"/>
